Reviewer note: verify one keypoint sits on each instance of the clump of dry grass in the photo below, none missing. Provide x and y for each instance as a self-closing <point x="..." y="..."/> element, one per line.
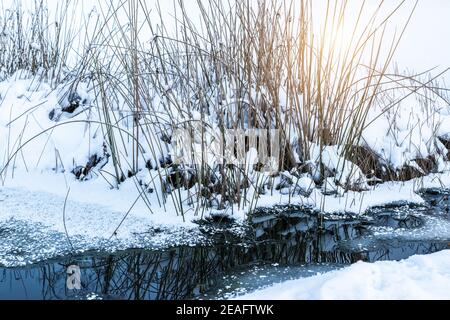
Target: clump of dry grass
<point x="239" y="65"/>
<point x="32" y="40"/>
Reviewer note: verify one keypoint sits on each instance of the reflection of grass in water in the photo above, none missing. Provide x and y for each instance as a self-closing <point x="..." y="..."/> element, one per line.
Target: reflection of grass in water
<point x="187" y="272"/>
<point x="179" y="273"/>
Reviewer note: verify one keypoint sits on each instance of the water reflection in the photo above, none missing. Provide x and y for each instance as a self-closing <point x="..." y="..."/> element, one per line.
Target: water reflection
<point x="294" y="239"/>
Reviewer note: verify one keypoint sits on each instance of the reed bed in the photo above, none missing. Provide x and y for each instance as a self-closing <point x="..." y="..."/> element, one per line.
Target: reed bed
<point x="232" y="67"/>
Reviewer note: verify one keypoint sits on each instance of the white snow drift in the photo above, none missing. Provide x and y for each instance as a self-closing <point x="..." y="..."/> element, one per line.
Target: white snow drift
<point x="419" y="277"/>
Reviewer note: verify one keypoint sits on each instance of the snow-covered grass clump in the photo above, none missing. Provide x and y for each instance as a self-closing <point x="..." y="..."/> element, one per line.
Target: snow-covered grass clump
<point x="98" y="103"/>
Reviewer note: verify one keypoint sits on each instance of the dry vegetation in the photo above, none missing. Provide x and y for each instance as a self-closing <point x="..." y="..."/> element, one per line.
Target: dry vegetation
<point x="245" y="65"/>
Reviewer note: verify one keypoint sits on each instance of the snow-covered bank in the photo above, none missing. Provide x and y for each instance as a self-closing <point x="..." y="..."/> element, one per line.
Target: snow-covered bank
<point x="81" y="131"/>
<point x="80" y="135"/>
<point x="34" y="217"/>
<point x="35" y="227"/>
<point x="94" y="209"/>
<point x="419" y="277"/>
<point x="40" y="173"/>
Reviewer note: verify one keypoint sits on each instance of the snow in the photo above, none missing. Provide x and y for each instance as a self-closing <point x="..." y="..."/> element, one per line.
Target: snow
<point x="41" y="226"/>
<point x="38" y="222"/>
<point x="358" y="202"/>
<point x="347" y="173"/>
<point x="417" y="278"/>
<point x="409" y="130"/>
<point x="95" y="210"/>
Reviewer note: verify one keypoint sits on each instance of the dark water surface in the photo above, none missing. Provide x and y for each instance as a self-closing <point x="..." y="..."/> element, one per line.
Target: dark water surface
<point x="282" y="244"/>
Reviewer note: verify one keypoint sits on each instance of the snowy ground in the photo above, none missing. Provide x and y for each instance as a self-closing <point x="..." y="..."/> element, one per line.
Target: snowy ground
<point x="34" y="228"/>
<point x="36" y="223"/>
<point x="419" y="277"/>
<point x="94" y="210"/>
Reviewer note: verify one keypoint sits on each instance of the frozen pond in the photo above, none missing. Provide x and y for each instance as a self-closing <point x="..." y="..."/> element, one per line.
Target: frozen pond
<point x="280" y="246"/>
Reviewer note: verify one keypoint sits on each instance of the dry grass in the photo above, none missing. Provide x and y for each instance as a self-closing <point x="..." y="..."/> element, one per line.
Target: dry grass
<point x="240" y="65"/>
